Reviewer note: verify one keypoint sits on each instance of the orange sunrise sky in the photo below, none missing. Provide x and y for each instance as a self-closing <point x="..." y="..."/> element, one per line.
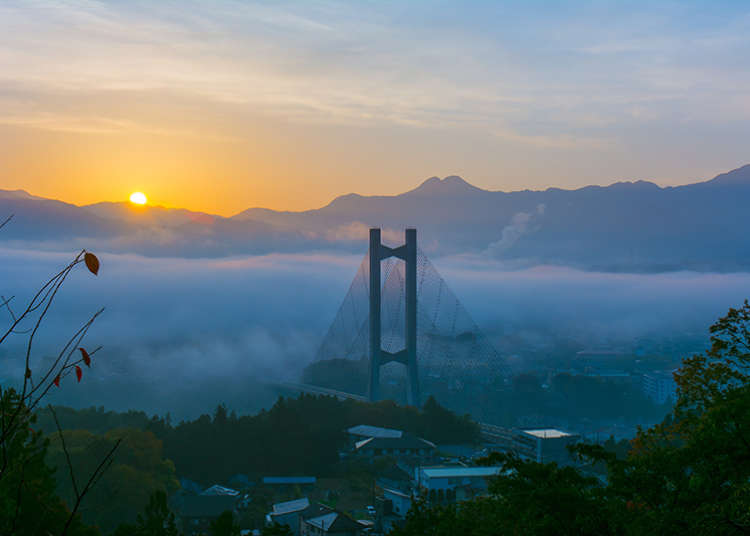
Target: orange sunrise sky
<point x="227" y="105"/>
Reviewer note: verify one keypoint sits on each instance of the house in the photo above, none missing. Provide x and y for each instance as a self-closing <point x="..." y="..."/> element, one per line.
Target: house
<point x="363" y="431"/>
<point x="397" y="502"/>
<point x="332" y="523"/>
<point x="545" y="445"/>
<point x="391" y="509"/>
<point x="288" y="513"/>
<point x="448" y="484"/>
<point x="198" y="511"/>
<point x="405" y="446"/>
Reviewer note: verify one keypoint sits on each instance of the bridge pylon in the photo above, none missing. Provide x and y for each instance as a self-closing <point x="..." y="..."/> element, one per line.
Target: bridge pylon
<point x="408" y="355"/>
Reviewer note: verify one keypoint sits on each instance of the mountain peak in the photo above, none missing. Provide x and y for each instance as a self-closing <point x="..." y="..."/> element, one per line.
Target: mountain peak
<point x="741" y="175"/>
<point x="17" y="194"/>
<point x="450" y="185"/>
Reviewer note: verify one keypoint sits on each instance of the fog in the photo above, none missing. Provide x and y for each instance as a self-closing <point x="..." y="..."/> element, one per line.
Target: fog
<point x="182" y="335"/>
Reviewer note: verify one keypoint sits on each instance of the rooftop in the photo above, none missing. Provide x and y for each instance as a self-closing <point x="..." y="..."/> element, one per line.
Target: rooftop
<point x="365" y="430"/>
<point x="390" y="491"/>
<point x="290" y="506"/>
<point x="324" y="521"/>
<point x="547" y="433"/>
<point x="220" y="490"/>
<point x="460" y="471"/>
<point x="334" y="522"/>
<point x="405" y="442"/>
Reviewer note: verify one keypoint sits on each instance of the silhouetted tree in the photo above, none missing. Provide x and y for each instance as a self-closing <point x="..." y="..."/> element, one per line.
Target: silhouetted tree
<point x="224" y="525"/>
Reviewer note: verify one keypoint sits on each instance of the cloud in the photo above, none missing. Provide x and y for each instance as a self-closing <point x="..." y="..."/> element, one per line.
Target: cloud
<point x="187" y="334"/>
<point x="520" y="224"/>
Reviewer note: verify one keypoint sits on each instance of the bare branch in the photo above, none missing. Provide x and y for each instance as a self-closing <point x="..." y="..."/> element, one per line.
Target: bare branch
<point x="65" y="449"/>
<point x="93" y="479"/>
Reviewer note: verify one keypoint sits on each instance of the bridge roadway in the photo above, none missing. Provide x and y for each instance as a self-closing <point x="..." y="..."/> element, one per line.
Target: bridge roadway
<point x="490" y="433"/>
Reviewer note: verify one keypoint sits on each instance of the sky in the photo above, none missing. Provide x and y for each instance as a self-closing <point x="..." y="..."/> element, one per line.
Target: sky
<point x="223" y="105"/>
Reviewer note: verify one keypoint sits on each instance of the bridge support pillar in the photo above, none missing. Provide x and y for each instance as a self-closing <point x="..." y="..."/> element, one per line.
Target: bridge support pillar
<point x="407" y="356"/>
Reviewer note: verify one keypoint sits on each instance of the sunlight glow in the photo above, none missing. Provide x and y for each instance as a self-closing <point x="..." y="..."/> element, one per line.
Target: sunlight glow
<point x="138" y="198"/>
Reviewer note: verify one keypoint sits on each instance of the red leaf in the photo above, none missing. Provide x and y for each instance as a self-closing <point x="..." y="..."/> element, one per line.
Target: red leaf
<point x="92" y="263"/>
<point x="86" y="357"/>
<point x="56" y="381"/>
<point x="79" y="373"/>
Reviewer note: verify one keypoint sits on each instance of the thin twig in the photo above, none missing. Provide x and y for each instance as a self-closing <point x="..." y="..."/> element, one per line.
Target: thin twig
<point x="65" y="449"/>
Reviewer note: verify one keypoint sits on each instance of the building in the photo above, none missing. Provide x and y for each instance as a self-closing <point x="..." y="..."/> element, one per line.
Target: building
<point x="397" y="502"/>
<point x="391" y="508"/>
<point x="660" y="386"/>
<point x="288" y="513"/>
<point x="220" y="490"/>
<point x="333" y="523"/>
<point x="289" y="483"/>
<point x="364" y="431"/>
<point x="198" y="511"/>
<point x="443" y="484"/>
<point x="406" y="446"/>
<point x="545" y="445"/>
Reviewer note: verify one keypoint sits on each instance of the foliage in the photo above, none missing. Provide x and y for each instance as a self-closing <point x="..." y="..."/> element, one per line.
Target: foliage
<point x="93" y="419"/>
<point x="138" y="470"/>
<point x="28" y="502"/>
<point x="276" y="530"/>
<point x="156" y="519"/>
<point x="224" y="525"/>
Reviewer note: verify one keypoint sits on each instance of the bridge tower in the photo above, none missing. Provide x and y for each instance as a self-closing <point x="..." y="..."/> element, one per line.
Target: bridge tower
<point x="407" y="356"/>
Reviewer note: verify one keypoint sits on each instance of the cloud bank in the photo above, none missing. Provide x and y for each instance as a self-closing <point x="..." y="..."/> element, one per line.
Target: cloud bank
<point x="182" y="335"/>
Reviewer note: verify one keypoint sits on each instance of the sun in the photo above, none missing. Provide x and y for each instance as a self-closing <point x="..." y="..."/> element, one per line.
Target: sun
<point x="138" y="198"/>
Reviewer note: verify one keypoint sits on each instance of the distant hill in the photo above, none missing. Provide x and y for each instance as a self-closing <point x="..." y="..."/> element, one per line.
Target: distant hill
<point x="627" y="226"/>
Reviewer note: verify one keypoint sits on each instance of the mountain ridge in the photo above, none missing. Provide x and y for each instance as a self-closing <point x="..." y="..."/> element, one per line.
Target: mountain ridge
<point x="626" y="226"/>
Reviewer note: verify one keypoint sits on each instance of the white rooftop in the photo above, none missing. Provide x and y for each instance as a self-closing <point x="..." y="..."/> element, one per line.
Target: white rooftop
<point x="220" y="490"/>
<point x="324" y="521"/>
<point x="396" y="492"/>
<point x="547" y="433"/>
<point x="459" y="472"/>
<point x="290" y="506"/>
<point x="366" y="430"/>
<point x="359" y="444"/>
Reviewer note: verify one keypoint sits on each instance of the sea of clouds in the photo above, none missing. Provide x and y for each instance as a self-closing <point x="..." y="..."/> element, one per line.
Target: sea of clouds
<point x="183" y="335"/>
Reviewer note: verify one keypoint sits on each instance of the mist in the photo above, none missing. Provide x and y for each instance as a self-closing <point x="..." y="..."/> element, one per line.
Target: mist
<point x="182" y="335"/>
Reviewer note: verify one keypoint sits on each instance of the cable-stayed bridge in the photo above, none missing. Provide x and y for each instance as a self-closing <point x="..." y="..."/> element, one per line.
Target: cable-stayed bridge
<point x="399" y="310"/>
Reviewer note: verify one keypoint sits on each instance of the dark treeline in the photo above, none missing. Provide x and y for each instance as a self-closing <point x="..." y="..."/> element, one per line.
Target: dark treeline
<point x="296" y="436"/>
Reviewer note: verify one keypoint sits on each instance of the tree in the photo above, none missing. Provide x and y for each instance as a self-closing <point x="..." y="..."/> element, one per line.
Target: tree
<point x="692" y="472"/>
<point x="224" y="525"/>
<point x="138" y="472"/>
<point x="157" y="520"/>
<point x="29" y="504"/>
<point x="276" y="529"/>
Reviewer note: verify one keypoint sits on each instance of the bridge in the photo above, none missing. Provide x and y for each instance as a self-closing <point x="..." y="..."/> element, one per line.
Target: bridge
<point x="399" y="315"/>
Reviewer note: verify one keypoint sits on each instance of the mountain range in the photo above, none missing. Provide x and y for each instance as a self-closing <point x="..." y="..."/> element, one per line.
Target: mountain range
<point x="627" y="226"/>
